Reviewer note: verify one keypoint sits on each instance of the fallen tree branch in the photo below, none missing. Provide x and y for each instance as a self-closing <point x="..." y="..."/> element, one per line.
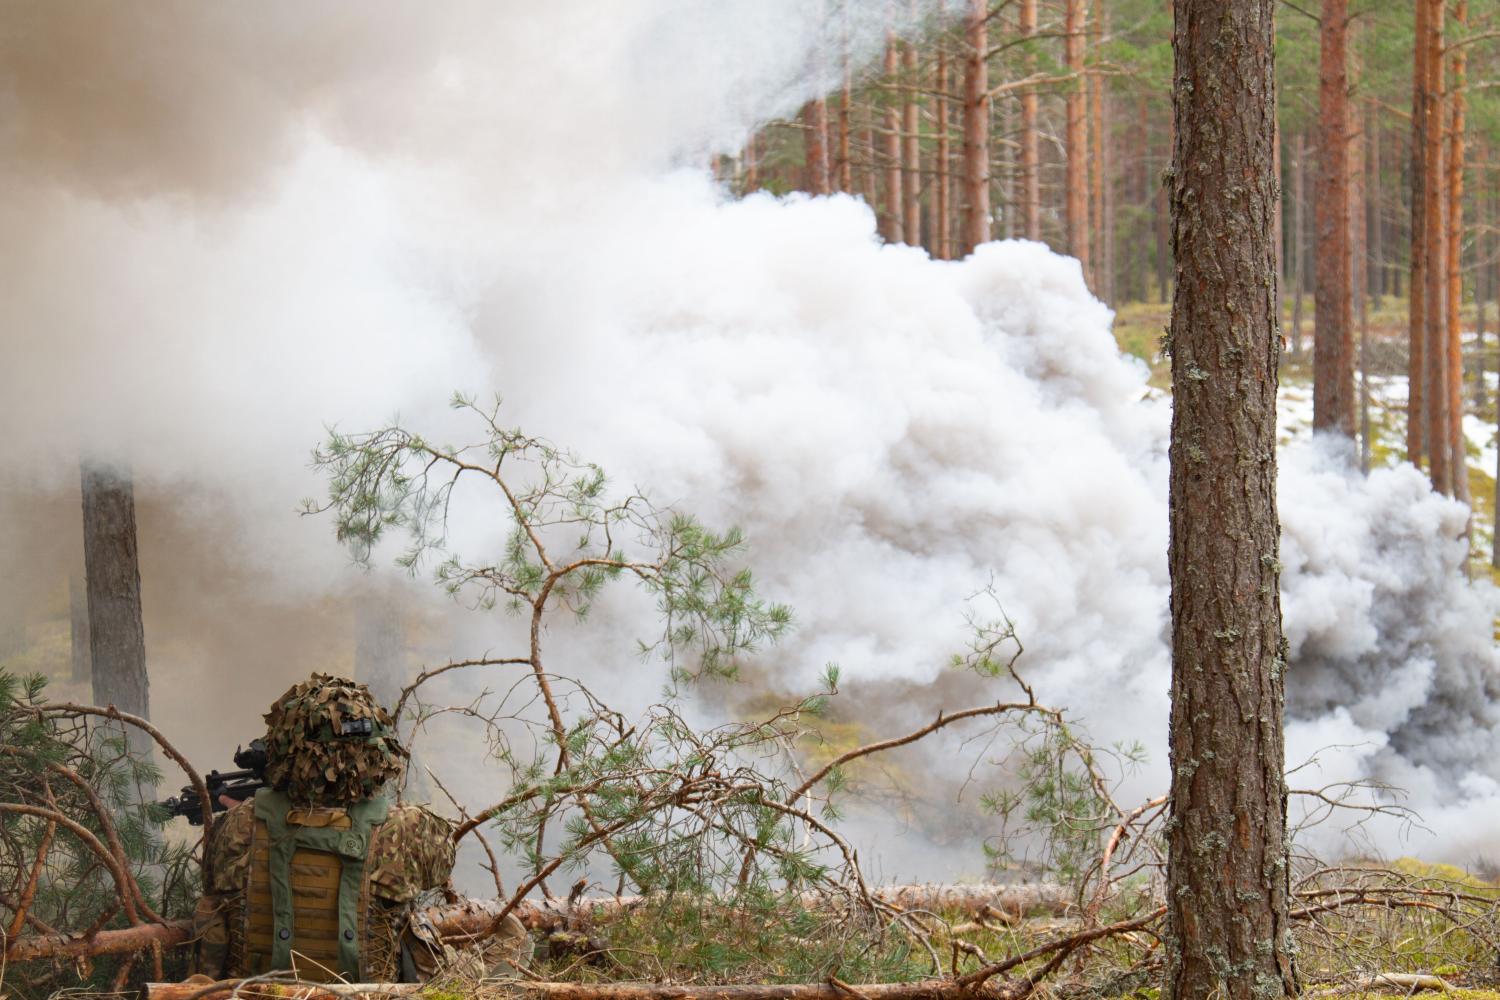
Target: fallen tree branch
<point x="1406" y="982"/>
<point x="479" y="917"/>
<point x="930" y="989"/>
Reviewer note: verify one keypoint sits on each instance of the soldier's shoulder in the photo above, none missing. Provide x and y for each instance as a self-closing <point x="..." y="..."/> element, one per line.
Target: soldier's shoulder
<point x="417" y="821"/>
<point x="412" y="853"/>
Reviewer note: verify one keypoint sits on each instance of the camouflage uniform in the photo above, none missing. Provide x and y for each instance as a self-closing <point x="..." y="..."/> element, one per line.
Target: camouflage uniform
<point x="319" y="872"/>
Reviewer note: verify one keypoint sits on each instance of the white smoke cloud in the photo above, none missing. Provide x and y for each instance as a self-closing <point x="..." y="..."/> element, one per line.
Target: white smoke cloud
<point x="274" y="220"/>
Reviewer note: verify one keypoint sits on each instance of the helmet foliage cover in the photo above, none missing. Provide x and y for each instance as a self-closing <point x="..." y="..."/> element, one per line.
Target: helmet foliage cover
<point x="329" y="743"/>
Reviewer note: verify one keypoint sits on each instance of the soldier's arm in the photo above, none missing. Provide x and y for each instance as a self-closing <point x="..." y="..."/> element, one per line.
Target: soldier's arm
<point x="229" y="862"/>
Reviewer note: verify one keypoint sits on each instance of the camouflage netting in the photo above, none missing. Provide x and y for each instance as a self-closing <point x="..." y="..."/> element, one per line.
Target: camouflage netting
<point x="328" y="743"/>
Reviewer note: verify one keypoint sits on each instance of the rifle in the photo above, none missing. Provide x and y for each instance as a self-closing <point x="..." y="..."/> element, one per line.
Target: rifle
<point x="237" y="785"/>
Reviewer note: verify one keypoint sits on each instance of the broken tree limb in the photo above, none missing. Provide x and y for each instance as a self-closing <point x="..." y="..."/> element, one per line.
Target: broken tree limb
<point x="115" y="942"/>
<point x="1404" y="982"/>
<point x="476" y="918"/>
<point x="983" y="899"/>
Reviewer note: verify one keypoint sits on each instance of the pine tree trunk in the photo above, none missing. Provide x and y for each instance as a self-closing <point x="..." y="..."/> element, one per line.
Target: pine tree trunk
<point x="974" y="211"/>
<point x="815" y="137"/>
<point x="1435" y="324"/>
<point x="911" y="155"/>
<point x="1229" y="933"/>
<point x="1376" y="220"/>
<point x="1333" y="333"/>
<point x="1416" y="368"/>
<point x="942" y="155"/>
<point x="1481" y="288"/>
<point x="843" y="168"/>
<point x="1140" y="262"/>
<point x="1278" y="234"/>
<point x="1164" y="265"/>
<point x="380" y="642"/>
<point x="1458" y="461"/>
<point x="1359" y="238"/>
<point x="752" y="164"/>
<point x="1299" y="244"/>
<point x="894" y="197"/>
<point x="117" y="639"/>
<point x="78" y="628"/>
<point x="1075" y="207"/>
<point x="1031" y="174"/>
<point x="1098" y="176"/>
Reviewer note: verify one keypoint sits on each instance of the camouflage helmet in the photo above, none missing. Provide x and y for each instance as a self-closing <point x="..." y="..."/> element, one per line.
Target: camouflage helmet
<point x="328" y="743"/>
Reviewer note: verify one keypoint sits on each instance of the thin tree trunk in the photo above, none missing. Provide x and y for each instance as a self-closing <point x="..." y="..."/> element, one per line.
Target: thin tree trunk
<point x="1359" y="243"/>
<point x="1416" y="368"/>
<point x="117" y="639"/>
<point x="974" y="222"/>
<point x="1459" y="465"/>
<point x="1074" y="204"/>
<point x="815" y="139"/>
<point x="1436" y="237"/>
<point x="752" y="163"/>
<point x="1333" y="333"/>
<point x="1164" y="266"/>
<point x="1229" y="931"/>
<point x="894" y="198"/>
<point x="1481" y="287"/>
<point x="843" y="173"/>
<point x="911" y="149"/>
<point x="1098" y="176"/>
<point x="1140" y="262"/>
<point x="1299" y="245"/>
<point x="1031" y="174"/>
<point x="78" y="628"/>
<point x="941" y="210"/>
<point x="1375" y="224"/>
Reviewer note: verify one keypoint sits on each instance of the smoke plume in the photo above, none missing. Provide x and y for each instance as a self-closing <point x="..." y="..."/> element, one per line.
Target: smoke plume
<point x="229" y="227"/>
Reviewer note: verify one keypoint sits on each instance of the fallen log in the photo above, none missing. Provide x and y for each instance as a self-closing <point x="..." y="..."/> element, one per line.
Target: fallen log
<point x="1401" y="982"/>
<point x="471" y="919"/>
<point x="477" y="918"/>
<point x="931" y="989"/>
<point x="981" y="899"/>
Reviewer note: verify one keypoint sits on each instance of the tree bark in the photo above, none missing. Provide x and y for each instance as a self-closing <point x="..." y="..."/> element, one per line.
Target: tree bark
<point x="1416" y="368"/>
<point x="1435" y="233"/>
<point x="1458" y="452"/>
<point x="1227" y="874"/>
<point x="1031" y="175"/>
<point x="117" y="640"/>
<point x="1075" y="206"/>
<point x="1333" y="332"/>
<point x="974" y="212"/>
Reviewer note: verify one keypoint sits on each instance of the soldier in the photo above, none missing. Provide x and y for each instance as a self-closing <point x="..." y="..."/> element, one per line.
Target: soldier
<point x="320" y="873"/>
